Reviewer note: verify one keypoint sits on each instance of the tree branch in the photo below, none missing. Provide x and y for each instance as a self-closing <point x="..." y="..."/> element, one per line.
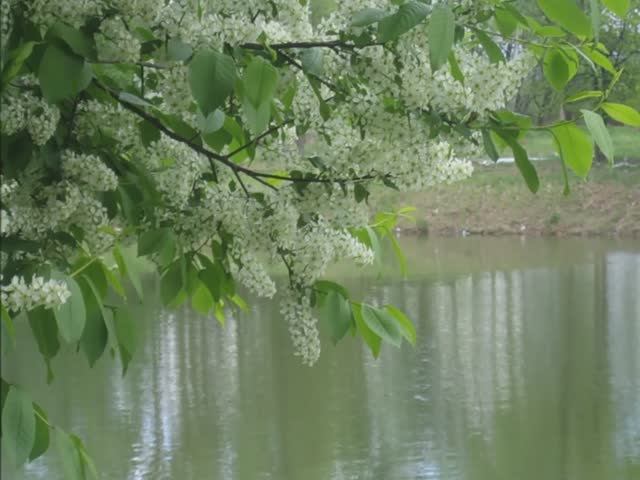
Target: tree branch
<point x="225" y="159"/>
<point x="292" y="61"/>
<point x="139" y="64"/>
<point x="258" y="138"/>
<point x="288" y="45"/>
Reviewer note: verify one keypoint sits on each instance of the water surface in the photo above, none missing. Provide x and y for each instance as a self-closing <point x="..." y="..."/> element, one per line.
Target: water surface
<point x="527" y="368"/>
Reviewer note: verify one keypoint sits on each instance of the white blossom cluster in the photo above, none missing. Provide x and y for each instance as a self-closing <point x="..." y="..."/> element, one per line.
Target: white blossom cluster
<point x="382" y="130"/>
<point x="6" y="20"/>
<point x="303" y="327"/>
<point x="62" y="207"/>
<point x="95" y="120"/>
<point x="90" y="171"/>
<point x="25" y="110"/>
<point x="7" y="187"/>
<point x="249" y="271"/>
<point x="116" y="42"/>
<point x="75" y="12"/>
<point x="19" y="295"/>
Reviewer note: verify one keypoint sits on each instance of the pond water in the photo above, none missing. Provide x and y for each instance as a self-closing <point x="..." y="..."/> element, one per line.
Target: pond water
<point x="527" y="367"/>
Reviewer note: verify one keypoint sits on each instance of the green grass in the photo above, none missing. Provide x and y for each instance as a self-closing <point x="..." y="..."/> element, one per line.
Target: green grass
<point x="626" y="141"/>
<point x="495" y="200"/>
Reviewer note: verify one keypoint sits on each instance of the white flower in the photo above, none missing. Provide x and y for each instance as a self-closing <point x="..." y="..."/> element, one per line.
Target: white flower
<point x="25" y="110"/>
<point x="18" y="295"/>
<point x="90" y="171"/>
<point x="302" y="327"/>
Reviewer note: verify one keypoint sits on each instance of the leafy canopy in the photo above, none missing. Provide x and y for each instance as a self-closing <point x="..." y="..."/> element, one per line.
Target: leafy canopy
<point x="217" y="139"/>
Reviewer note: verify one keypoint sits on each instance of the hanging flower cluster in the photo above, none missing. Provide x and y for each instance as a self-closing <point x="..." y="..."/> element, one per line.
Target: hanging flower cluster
<point x="250" y="133"/>
<point x="19" y="295"/>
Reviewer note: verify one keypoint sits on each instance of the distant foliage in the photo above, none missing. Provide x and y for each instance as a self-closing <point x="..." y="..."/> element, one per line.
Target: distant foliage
<point x="182" y="129"/>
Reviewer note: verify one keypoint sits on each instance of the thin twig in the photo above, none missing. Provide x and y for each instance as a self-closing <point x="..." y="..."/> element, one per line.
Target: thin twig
<point x="292" y="61"/>
<point x="258" y="138"/>
<point x="246" y="192"/>
<point x="139" y="64"/>
<point x="288" y="45"/>
<point x="224" y="159"/>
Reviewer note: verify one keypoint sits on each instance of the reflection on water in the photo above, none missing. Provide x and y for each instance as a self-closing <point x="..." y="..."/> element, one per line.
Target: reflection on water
<point x="530" y="370"/>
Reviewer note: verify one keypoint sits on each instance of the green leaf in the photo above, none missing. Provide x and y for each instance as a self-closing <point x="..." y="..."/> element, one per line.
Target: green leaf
<point x="7" y="323"/>
<point x="212" y="76"/>
<point x="367" y="17"/>
<point x="219" y="312"/>
<point x="128" y="268"/>
<point x="408" y="16"/>
<point x="575" y="148"/>
<point x="599" y="59"/>
<point x="259" y="85"/>
<point x="360" y="193"/>
<point x="568" y="15"/>
<point x="407" y="329"/>
<point x="178" y="51"/>
<point x="493" y="51"/>
<point x="399" y="254"/>
<point x="549" y="31"/>
<point x="15" y="62"/>
<point x="312" y="60"/>
<point x="62" y="74"/>
<point x="619" y="7"/>
<point x="41" y="442"/>
<point x="68" y="455"/>
<point x="202" y="299"/>
<point x="556" y="68"/>
<point x="454" y="67"/>
<point x="85" y="460"/>
<point x="600" y="134"/>
<point x="327" y="286"/>
<point x="95" y="271"/>
<point x="337" y="311"/>
<point x="125" y="330"/>
<point x="239" y="302"/>
<point x="382" y="324"/>
<point x="260" y="81"/>
<point x="506" y="22"/>
<point x="489" y="146"/>
<point x="79" y="42"/>
<point x="442" y="26"/>
<point x="369" y="336"/>
<point x="622" y="113"/>
<point x="45" y="330"/>
<point x="585" y="95"/>
<point x="212" y="123"/>
<point x="523" y="163"/>
<point x="212" y="276"/>
<point x="18" y="426"/>
<point x="71" y="316"/>
<point x="373" y="242"/>
<point x="114" y="281"/>
<point x="172" y="282"/>
<point x="95" y="334"/>
<point x="134" y="100"/>
<point x="152" y="241"/>
<point x="257" y="118"/>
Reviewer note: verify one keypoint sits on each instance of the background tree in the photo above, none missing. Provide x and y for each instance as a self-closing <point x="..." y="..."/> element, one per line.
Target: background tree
<point x="620" y="40"/>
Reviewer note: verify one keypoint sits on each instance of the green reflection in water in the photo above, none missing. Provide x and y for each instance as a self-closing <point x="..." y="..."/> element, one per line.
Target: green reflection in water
<point x="527" y="368"/>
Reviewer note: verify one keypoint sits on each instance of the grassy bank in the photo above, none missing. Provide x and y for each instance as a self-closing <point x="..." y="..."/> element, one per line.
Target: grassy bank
<point x="495" y="201"/>
<point x="626" y="140"/>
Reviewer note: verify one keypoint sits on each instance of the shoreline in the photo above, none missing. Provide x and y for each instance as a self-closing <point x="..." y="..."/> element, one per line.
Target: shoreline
<point x="453" y="232"/>
<point x="495" y="202"/>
